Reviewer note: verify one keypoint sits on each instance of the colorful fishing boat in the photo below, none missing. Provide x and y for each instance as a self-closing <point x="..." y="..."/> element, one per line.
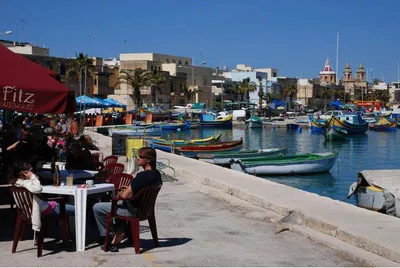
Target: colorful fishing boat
<point x="352" y="123"/>
<point x="318" y="125"/>
<point x="173" y="126"/>
<point x="224" y="158"/>
<point x="333" y="134"/>
<point x="254" y="122"/>
<point x="377" y="190"/>
<point x="383" y="125"/>
<point x="209" y="120"/>
<point x="174" y="145"/>
<point x="286" y="165"/>
<point x="194" y="150"/>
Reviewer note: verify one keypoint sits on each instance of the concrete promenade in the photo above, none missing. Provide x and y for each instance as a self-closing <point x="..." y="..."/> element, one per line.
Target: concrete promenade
<point x="212" y="216"/>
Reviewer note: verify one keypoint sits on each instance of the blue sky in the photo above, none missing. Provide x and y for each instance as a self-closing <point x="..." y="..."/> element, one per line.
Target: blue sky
<point x="292" y="35"/>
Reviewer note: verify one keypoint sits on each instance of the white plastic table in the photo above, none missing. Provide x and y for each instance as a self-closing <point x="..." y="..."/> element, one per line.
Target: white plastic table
<point x="80" y="199"/>
<point x="78" y="174"/>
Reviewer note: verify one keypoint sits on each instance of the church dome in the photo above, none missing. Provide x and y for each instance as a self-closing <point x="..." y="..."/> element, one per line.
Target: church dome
<point x="327" y="68"/>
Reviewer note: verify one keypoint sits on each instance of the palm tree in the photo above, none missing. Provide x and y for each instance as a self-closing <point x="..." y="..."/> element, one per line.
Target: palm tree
<point x="136" y="79"/>
<point x="189" y="93"/>
<point x="77" y="65"/>
<point x="246" y="87"/>
<point x="291" y="91"/>
<point x="236" y="90"/>
<point x="157" y="82"/>
<point x="382" y="95"/>
<point x="260" y="96"/>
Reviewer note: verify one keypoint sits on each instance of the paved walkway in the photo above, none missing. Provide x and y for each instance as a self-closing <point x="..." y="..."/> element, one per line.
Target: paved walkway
<point x="197" y="227"/>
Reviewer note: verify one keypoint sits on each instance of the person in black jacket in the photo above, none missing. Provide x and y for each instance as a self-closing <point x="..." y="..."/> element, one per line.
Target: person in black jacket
<point x="147" y="159"/>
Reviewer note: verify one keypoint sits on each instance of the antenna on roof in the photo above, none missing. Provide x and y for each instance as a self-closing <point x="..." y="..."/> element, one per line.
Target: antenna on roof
<point x="125" y="40"/>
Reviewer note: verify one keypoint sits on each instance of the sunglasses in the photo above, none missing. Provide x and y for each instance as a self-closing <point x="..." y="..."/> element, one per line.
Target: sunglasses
<point x="142" y="157"/>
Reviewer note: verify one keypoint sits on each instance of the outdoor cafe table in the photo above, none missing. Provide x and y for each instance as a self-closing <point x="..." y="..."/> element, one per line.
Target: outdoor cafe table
<point x="78" y="174"/>
<point x="80" y="199"/>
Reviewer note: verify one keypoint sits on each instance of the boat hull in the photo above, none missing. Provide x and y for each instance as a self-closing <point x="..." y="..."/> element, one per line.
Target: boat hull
<point x="318" y="127"/>
<point x="351" y="129"/>
<point x="333" y="134"/>
<point x="370" y="197"/>
<point x="193" y="150"/>
<point x="287" y="168"/>
<point x="387" y="127"/>
<point x="140" y="131"/>
<point x="224" y="158"/>
<point x="173" y="126"/>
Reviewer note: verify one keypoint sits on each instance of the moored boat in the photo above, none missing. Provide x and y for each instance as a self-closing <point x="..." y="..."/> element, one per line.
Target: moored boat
<point x="173" y="126"/>
<point x="383" y="125"/>
<point x="286" y="165"/>
<point x="209" y="120"/>
<point x="352" y="123"/>
<point x="377" y="190"/>
<point x="318" y="125"/>
<point x="333" y="134"/>
<point x="194" y="150"/>
<point x="136" y="130"/>
<point x="210" y="139"/>
<point x="292" y="126"/>
<point x="224" y="158"/>
<point x="254" y="122"/>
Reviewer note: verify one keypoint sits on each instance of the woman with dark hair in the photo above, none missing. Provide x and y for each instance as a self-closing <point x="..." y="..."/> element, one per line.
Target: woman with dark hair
<point x="147" y="159"/>
<point x="21" y="175"/>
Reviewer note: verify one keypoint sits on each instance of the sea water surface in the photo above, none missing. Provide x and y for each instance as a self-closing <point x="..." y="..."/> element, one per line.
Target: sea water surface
<point x="373" y="150"/>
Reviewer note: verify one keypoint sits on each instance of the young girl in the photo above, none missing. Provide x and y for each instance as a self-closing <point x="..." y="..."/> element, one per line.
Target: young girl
<point x="21" y="176"/>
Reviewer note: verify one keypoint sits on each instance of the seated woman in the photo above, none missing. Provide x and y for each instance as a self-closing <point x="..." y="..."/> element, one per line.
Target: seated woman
<point x="78" y="157"/>
<point x="21" y="176"/>
<point x="87" y="143"/>
<point x="147" y="158"/>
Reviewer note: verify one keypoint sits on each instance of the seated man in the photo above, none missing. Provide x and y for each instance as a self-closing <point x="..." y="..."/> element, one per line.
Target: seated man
<point x="147" y="158"/>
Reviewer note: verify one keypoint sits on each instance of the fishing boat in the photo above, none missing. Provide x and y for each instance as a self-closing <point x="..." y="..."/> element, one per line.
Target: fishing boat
<point x="383" y="125"/>
<point x="292" y="127"/>
<point x="194" y="150"/>
<point x="151" y="130"/>
<point x="254" y="122"/>
<point x="352" y="123"/>
<point x="209" y="120"/>
<point x="377" y="190"/>
<point x="173" y="126"/>
<point x="224" y="158"/>
<point x="286" y="165"/>
<point x="174" y="145"/>
<point x="318" y="125"/>
<point x="332" y="134"/>
<point x="210" y="139"/>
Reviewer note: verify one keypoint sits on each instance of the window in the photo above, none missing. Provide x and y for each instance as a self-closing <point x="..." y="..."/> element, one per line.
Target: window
<point x="179" y="62"/>
<point x="173" y="61"/>
<point x="167" y="60"/>
<point x="186" y="63"/>
<point x="151" y="67"/>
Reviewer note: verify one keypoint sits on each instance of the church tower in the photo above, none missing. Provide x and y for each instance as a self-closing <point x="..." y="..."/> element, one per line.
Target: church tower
<point x="327" y="74"/>
<point x="348" y="80"/>
<point x="361" y="73"/>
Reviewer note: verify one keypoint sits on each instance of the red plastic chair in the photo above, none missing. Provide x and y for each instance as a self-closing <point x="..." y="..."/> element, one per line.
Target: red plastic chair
<point x="110" y="160"/>
<point x="115" y="168"/>
<point x="119" y="180"/>
<point x="23" y="199"/>
<point x="147" y="197"/>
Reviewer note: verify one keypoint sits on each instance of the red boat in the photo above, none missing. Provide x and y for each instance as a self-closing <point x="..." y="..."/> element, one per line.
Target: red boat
<point x="228" y="146"/>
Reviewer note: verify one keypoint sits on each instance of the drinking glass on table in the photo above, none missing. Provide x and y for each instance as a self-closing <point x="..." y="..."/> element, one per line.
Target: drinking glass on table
<point x="70" y="179"/>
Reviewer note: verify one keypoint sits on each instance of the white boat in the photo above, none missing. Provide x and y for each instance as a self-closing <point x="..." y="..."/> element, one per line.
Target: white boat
<point x="286" y="165"/>
<point x="136" y="131"/>
<point x="378" y="190"/>
<point x="254" y="122"/>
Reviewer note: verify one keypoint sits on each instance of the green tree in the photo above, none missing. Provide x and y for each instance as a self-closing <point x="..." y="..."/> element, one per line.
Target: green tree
<point x="246" y="87"/>
<point x="189" y="93"/>
<point x="136" y="79"/>
<point x="236" y="90"/>
<point x="156" y="82"/>
<point x="260" y="96"/>
<point x="290" y="91"/>
<point x="76" y="68"/>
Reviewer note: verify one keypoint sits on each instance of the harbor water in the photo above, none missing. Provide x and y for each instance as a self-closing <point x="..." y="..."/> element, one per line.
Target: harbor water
<point x="373" y="150"/>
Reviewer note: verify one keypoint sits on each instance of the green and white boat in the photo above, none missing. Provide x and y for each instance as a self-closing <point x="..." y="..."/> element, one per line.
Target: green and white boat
<point x="254" y="122"/>
<point x="224" y="158"/>
<point x="286" y="165"/>
<point x="333" y="134"/>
